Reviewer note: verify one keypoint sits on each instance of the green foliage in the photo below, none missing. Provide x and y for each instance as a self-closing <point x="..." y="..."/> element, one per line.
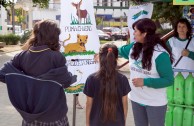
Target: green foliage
<point x="75" y="89"/>
<point x="20" y="17"/>
<point x="103" y="41"/>
<point x="41" y="3"/>
<point x="10" y="39"/>
<point x="75" y="21"/>
<point x="25" y="37"/>
<point x="163" y="32"/>
<point x="106" y="24"/>
<point x="9" y="3"/>
<point x="99" y="20"/>
<point x="79" y="53"/>
<point x="6" y="3"/>
<point x="88" y="20"/>
<point x="166" y="12"/>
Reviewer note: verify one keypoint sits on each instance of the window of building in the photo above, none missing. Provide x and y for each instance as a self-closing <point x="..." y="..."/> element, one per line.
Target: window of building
<point x="98" y="2"/>
<point x="111" y="3"/>
<point x="126" y="3"/>
<point x="105" y="2"/>
<point x="121" y="4"/>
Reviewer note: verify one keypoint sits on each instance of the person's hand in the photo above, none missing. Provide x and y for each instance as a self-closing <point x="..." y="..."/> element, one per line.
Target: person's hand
<point x="185" y="52"/>
<point x="138" y="82"/>
<point x="26" y="46"/>
<point x="96" y="57"/>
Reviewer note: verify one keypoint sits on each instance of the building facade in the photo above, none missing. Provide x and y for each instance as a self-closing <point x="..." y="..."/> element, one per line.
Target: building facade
<point x="115" y="8"/>
<point x="109" y="9"/>
<point x="3" y="20"/>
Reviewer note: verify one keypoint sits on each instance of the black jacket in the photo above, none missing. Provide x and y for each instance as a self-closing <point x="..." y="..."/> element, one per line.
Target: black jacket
<point x="41" y="98"/>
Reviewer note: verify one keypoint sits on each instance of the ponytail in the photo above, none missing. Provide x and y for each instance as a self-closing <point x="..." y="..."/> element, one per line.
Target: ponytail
<point x="108" y="87"/>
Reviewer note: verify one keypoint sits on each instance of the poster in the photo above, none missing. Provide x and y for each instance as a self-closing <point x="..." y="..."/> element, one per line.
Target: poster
<point x="188" y="12"/>
<point x="183" y="2"/>
<point x="79" y="40"/>
<point x="137" y="12"/>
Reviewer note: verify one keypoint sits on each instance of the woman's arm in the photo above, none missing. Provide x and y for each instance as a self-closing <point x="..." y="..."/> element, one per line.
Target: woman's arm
<point x="89" y="102"/>
<point x="124" y="50"/>
<point x="187" y="53"/>
<point x="164" y="69"/>
<point x="191" y="55"/>
<point x="125" y="106"/>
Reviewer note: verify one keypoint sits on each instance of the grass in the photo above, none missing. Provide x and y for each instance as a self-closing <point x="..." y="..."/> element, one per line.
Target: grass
<point x="75" y="89"/>
<point x="79" y="53"/>
<point x="103" y="41"/>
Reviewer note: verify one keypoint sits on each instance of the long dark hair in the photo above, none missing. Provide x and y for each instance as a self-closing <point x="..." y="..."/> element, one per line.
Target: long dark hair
<point x="151" y="39"/>
<point x="45" y="32"/>
<point x="183" y="21"/>
<point x="108" y="56"/>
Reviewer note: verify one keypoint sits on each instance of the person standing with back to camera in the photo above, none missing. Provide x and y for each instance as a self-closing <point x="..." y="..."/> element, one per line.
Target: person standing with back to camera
<point x="150" y="73"/>
<point x="106" y="91"/>
<point x="182" y="38"/>
<point x="42" y="71"/>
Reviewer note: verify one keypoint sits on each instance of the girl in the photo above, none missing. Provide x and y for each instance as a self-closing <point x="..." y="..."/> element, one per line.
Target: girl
<point x="106" y="92"/>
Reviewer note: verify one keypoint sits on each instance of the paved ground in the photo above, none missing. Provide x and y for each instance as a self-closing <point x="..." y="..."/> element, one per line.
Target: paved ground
<point x="10" y="48"/>
<point x="10" y="117"/>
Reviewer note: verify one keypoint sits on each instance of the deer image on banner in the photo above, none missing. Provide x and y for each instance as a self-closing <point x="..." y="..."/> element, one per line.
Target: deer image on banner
<point x="80" y="13"/>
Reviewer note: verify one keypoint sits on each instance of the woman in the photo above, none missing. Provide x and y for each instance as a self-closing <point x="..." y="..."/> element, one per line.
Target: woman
<point x="150" y="73"/>
<point x="182" y="35"/>
<point x="106" y="91"/>
<point x="40" y="64"/>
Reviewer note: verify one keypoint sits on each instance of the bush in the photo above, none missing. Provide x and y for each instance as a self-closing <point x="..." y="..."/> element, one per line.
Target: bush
<point x="10" y="39"/>
<point x="163" y="32"/>
<point x="25" y="37"/>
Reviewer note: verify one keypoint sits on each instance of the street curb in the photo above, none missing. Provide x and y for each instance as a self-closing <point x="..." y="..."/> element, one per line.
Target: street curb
<point x="9" y="51"/>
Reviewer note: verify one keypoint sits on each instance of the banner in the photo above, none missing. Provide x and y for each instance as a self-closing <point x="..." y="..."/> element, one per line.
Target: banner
<point x="188" y="12"/>
<point x="183" y="2"/>
<point x="79" y="40"/>
<point x="137" y="12"/>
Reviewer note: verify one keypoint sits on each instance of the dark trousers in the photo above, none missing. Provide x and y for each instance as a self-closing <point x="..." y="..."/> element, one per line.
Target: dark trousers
<point x="148" y="115"/>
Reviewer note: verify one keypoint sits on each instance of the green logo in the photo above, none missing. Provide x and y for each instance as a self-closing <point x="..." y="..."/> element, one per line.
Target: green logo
<point x="143" y="12"/>
<point x="138" y="64"/>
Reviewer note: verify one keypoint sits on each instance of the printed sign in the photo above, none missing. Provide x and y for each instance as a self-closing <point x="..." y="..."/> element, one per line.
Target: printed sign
<point x="137" y="12"/>
<point x="183" y="2"/>
<point x="80" y="40"/>
<point x="188" y="12"/>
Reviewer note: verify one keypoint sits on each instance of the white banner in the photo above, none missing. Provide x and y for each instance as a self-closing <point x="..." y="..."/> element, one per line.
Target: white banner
<point x="137" y="12"/>
<point x="80" y="40"/>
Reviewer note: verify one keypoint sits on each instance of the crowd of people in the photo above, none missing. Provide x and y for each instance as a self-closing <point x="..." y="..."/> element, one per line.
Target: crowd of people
<point x="40" y="69"/>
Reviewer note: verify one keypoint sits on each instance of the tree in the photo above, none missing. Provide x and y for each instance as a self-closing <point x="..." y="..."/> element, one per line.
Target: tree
<point x="164" y="11"/>
<point x="167" y="12"/>
<point x="41" y="3"/>
<point x="20" y="17"/>
<point x="6" y="3"/>
<point x="99" y="20"/>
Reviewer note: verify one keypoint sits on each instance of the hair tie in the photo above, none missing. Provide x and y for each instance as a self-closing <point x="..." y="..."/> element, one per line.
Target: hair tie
<point x="109" y="49"/>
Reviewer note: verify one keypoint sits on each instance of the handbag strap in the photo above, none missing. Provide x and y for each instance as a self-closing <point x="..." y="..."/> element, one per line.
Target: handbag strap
<point x="182" y="56"/>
